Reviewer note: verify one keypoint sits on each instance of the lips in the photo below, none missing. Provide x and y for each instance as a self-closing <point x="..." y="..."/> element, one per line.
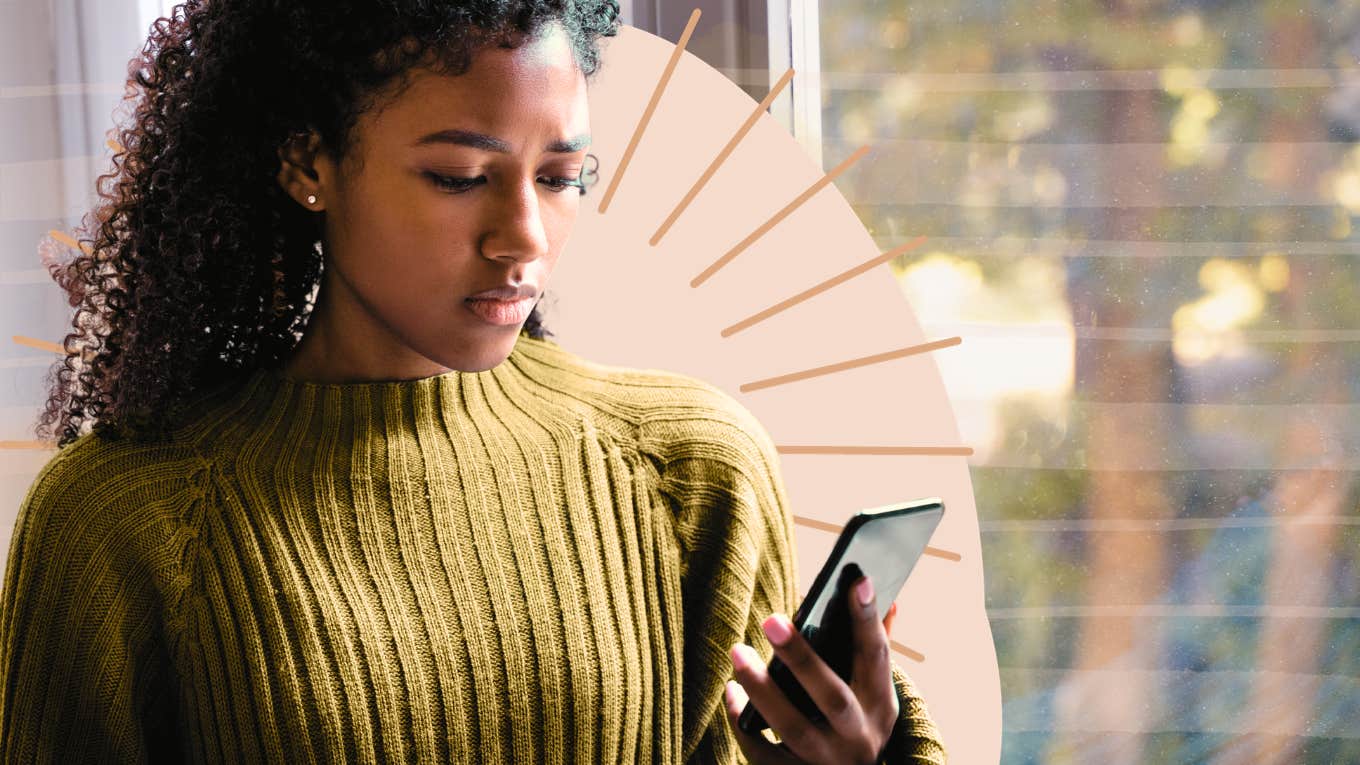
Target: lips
<point x="501" y="312"/>
<point x="517" y="291"/>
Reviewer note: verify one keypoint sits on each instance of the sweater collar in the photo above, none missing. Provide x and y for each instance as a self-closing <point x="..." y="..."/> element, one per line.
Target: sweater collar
<point x="265" y="405"/>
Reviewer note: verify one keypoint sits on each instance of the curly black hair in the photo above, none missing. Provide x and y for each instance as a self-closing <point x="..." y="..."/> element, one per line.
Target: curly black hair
<point x="197" y="267"/>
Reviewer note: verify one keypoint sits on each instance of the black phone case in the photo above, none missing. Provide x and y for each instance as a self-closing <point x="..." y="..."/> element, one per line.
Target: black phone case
<point x="834" y="641"/>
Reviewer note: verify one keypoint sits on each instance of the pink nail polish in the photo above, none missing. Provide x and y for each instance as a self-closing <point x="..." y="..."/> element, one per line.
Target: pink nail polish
<point x="865" y="591"/>
<point x="776" y="630"/>
<point x="738" y="659"/>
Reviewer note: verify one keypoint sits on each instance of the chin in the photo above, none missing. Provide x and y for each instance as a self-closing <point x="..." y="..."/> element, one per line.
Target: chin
<point x="494" y="354"/>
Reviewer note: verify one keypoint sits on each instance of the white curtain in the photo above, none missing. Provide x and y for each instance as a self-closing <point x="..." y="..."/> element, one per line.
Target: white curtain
<point x="63" y="64"/>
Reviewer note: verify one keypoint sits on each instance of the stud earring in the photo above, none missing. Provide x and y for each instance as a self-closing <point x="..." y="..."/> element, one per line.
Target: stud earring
<point x="311" y="199"/>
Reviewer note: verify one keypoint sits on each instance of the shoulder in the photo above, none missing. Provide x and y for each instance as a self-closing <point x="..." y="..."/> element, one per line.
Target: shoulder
<point x="674" y="416"/>
<point x="100" y="493"/>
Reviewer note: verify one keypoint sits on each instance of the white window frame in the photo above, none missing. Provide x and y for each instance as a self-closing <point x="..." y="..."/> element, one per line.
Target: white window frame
<point x="150" y="10"/>
<point x="794" y="34"/>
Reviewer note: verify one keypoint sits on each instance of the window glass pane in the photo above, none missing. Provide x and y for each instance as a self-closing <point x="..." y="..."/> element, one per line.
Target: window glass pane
<point x="1139" y="219"/>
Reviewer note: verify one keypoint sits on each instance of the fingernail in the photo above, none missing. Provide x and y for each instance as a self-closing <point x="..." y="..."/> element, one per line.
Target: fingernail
<point x="776" y="629"/>
<point x="865" y="591"/>
<point x="738" y="657"/>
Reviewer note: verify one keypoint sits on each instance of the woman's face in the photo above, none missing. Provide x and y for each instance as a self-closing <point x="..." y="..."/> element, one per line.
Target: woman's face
<point x="462" y="184"/>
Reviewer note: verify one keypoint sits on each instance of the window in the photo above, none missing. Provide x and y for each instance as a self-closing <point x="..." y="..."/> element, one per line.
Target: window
<point x="1139" y="220"/>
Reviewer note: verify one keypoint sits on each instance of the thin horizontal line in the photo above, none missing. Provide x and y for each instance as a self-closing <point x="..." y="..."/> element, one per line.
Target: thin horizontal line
<point x="1044" y="80"/>
<point x="23" y="362"/>
<point x="1210" y="610"/>
<point x="1143" y="409"/>
<point x="1164" y="524"/>
<point x="25" y="276"/>
<point x="1073" y="404"/>
<point x="871" y="201"/>
<point x="1272" y="470"/>
<point x="70" y="89"/>
<point x="1228" y="463"/>
<point x="1010" y="247"/>
<point x="1340" y="147"/>
<point x="1329" y="697"/>
<point x="976" y="330"/>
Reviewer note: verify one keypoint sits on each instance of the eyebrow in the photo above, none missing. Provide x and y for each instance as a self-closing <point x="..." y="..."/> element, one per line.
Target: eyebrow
<point x="491" y="143"/>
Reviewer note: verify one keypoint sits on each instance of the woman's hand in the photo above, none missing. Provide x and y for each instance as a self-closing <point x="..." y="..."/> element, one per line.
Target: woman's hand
<point x="859" y="717"/>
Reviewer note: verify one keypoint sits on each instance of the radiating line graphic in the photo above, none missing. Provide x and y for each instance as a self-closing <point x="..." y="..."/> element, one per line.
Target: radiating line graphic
<point x="822" y="287"/>
<point x="69" y="241"/>
<point x="722" y="155"/>
<point x="901" y="648"/>
<point x="910" y="653"/>
<point x="841" y="366"/>
<point x="781" y="215"/>
<point x="813" y="523"/>
<point x="928" y="451"/>
<point x="27" y="445"/>
<point x="42" y="345"/>
<point x="647" y="114"/>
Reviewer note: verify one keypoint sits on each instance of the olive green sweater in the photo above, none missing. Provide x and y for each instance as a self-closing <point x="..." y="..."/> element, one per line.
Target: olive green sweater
<point x="542" y="562"/>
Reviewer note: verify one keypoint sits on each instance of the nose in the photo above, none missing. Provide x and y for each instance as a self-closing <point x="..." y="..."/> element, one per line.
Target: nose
<point x="516" y="229"/>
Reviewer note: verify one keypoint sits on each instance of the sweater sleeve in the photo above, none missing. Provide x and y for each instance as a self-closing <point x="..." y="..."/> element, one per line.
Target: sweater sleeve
<point x="739" y="565"/>
<point x="80" y="671"/>
<point x="914" y="740"/>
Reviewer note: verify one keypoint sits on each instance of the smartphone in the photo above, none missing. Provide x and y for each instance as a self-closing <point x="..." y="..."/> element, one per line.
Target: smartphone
<point x="882" y="543"/>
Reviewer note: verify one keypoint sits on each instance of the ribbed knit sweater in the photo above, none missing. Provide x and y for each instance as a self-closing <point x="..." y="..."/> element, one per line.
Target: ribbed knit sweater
<point x="543" y="562"/>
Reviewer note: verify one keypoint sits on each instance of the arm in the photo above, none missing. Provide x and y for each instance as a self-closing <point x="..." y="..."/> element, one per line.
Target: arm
<point x="80" y="665"/>
<point x="739" y="565"/>
<point x="736" y="559"/>
<point x="915" y="740"/>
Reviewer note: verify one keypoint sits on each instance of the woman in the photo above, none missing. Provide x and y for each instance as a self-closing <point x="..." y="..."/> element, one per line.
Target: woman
<point x="341" y="499"/>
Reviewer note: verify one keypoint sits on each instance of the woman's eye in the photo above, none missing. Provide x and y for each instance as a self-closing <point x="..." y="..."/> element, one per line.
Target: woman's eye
<point x="454" y="184"/>
<point x="457" y="185"/>
<point x="562" y="184"/>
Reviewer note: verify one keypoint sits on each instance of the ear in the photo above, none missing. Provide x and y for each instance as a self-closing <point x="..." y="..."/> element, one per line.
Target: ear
<point x="300" y="174"/>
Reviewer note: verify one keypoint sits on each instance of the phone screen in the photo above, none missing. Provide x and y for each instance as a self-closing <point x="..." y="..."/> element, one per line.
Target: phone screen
<point x="883" y="543"/>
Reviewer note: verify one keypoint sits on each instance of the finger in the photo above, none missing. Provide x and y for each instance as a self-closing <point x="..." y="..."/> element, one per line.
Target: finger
<point x="758" y="750"/>
<point x="827" y="690"/>
<point x="795" y="730"/>
<point x="872" y="677"/>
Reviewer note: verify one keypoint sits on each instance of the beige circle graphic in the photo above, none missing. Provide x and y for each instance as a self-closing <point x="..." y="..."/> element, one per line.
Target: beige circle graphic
<point x="699" y="302"/>
<point x="615" y="298"/>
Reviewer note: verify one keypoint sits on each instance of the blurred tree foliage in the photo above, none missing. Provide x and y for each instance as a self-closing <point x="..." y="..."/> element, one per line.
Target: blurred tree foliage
<point x="1193" y="167"/>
